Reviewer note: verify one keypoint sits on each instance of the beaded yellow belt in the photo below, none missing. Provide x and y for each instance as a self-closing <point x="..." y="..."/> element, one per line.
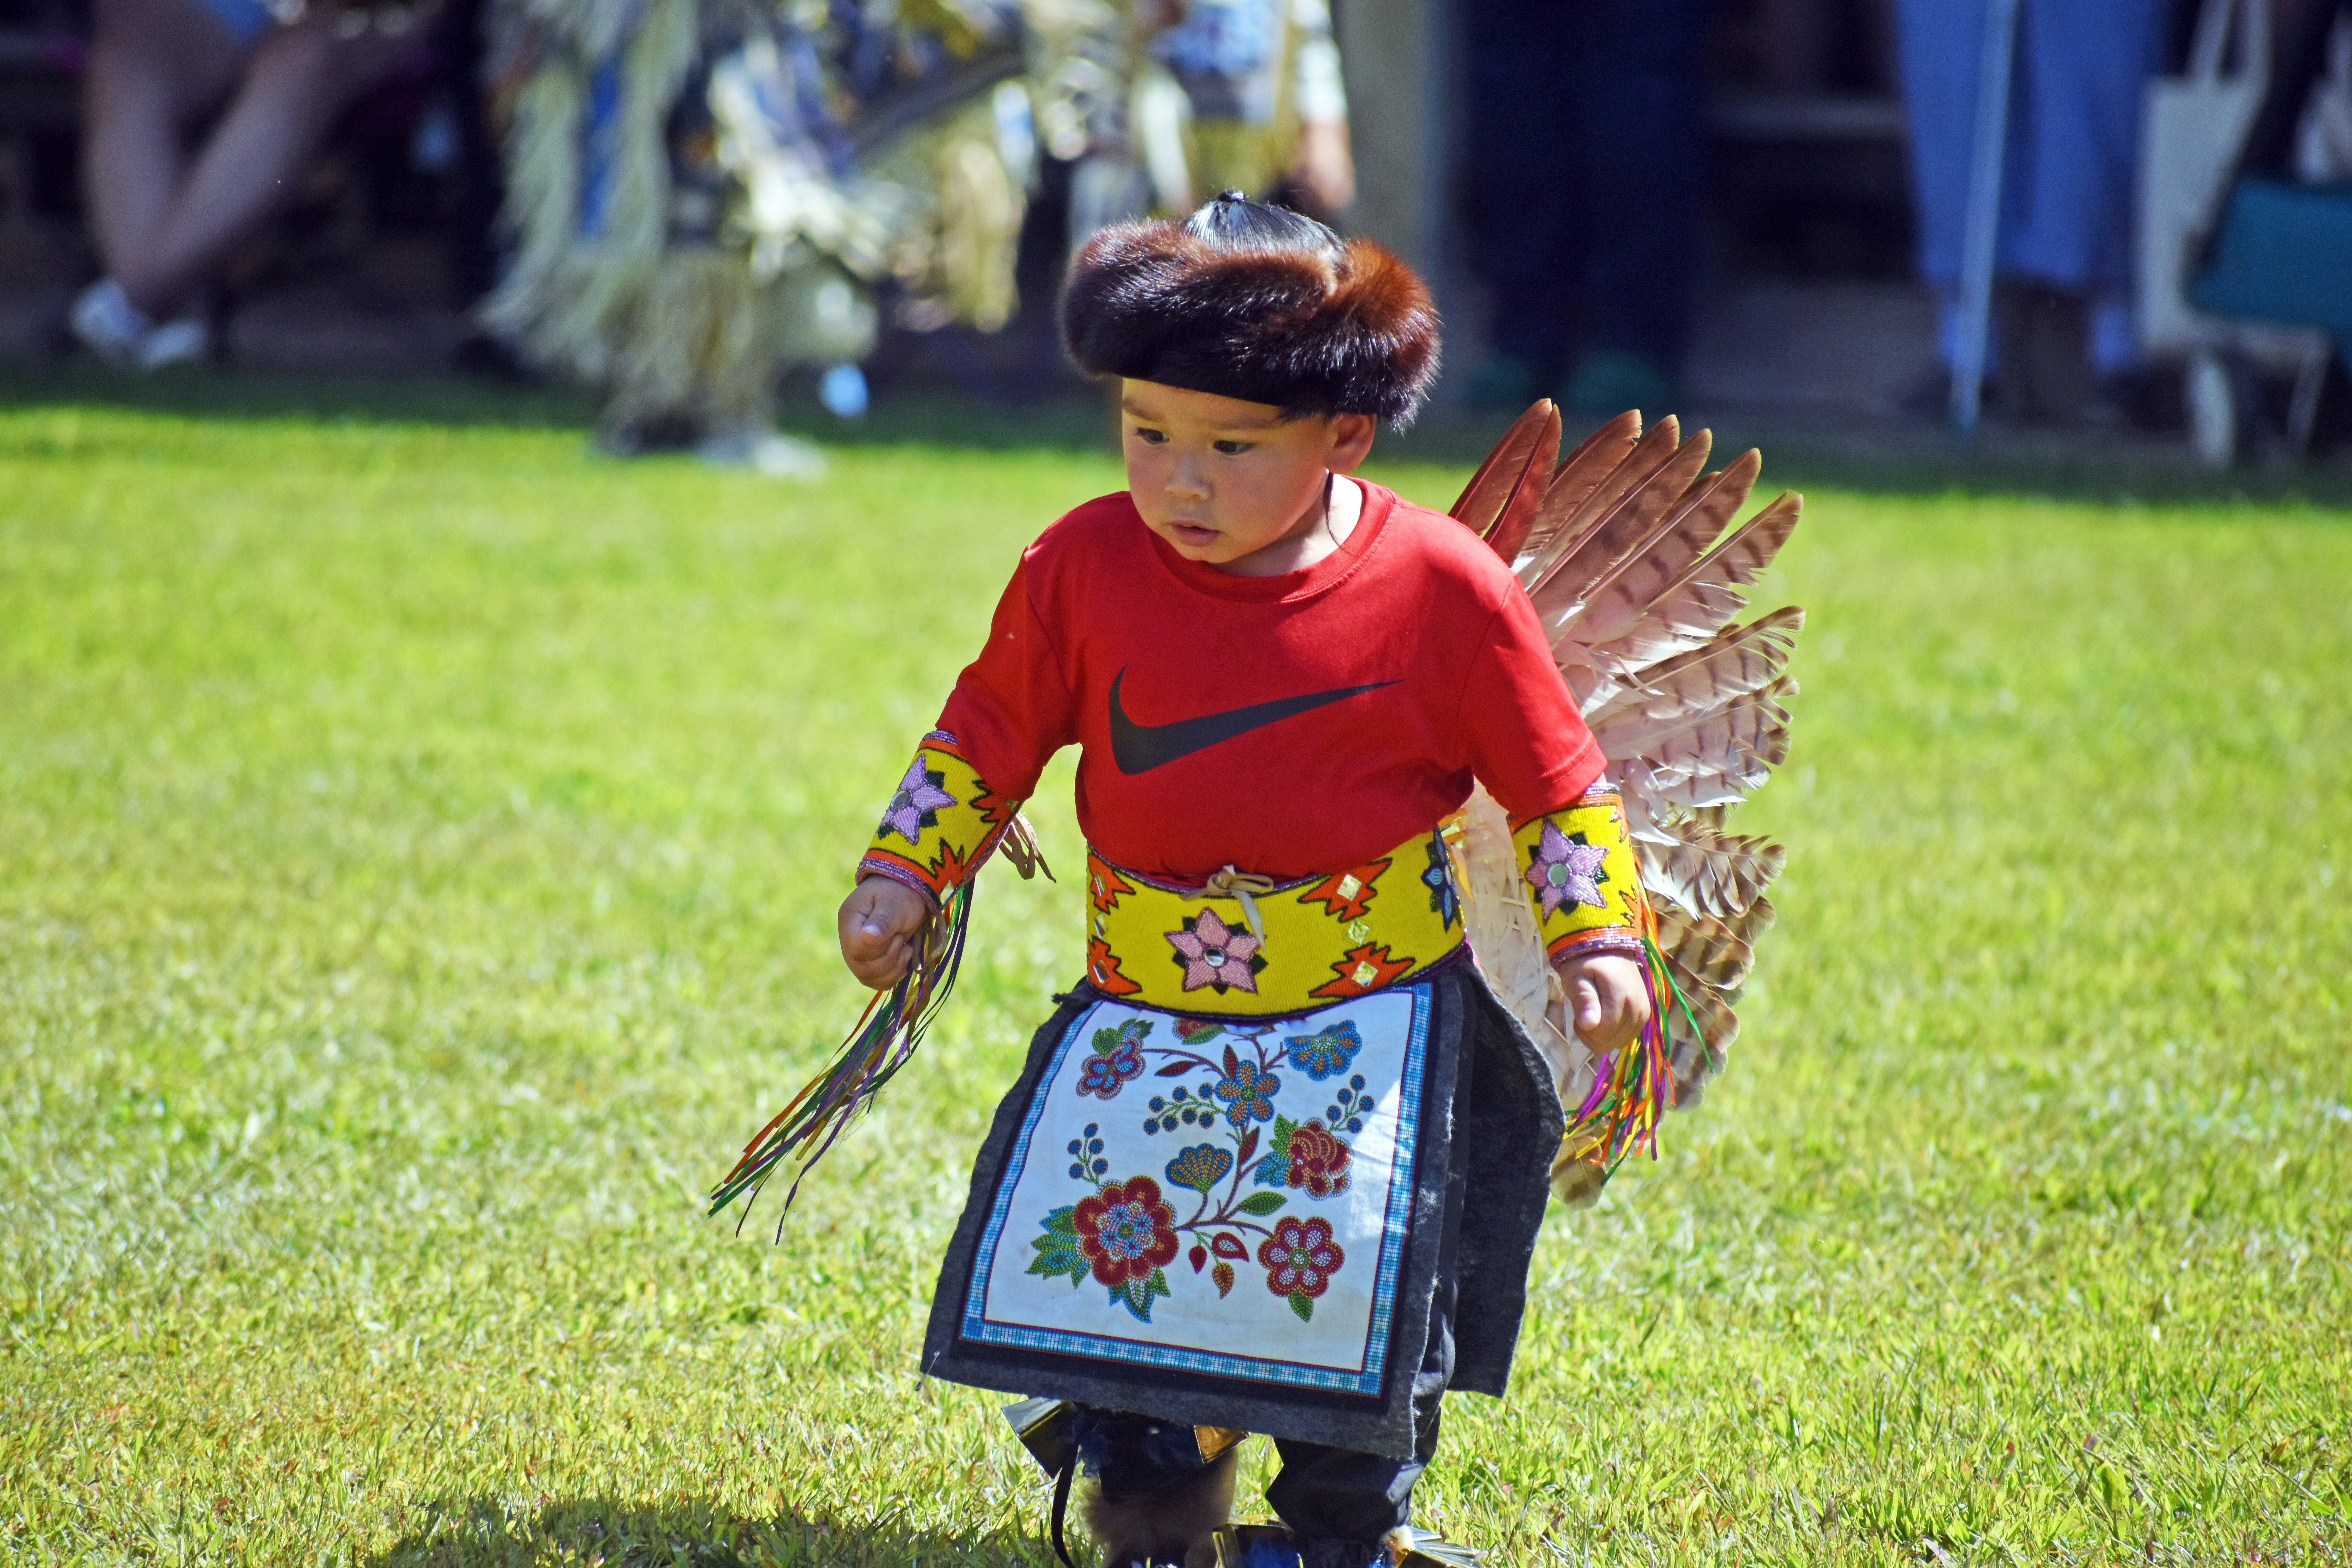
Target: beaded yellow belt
<point x="1249" y="946"/>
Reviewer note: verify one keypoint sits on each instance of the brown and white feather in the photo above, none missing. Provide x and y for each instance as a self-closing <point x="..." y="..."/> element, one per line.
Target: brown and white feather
<point x="1571" y="484"/>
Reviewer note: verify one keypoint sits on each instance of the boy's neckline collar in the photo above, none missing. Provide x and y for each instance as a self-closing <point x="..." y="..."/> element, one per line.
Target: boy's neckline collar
<point x="1379" y="502"/>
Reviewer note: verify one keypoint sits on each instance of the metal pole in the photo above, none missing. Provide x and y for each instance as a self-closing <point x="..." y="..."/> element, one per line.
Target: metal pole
<point x="1979" y="237"/>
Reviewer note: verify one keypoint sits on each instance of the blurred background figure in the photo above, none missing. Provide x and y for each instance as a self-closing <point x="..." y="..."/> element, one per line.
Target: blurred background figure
<point x="706" y="193"/>
<point x="1262" y="108"/>
<point x="271" y="79"/>
<point x="2063" y="254"/>
<point x="1587" y="147"/>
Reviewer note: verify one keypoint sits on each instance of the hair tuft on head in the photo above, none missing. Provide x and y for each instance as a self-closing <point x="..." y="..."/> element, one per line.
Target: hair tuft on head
<point x="1257" y="302"/>
<point x="1233" y="224"/>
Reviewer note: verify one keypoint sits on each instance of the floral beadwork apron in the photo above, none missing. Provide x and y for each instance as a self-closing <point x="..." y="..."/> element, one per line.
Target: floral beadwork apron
<point x="1221" y="1196"/>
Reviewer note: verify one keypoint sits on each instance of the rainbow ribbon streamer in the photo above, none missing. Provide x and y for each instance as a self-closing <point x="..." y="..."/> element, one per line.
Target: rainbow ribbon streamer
<point x="1633" y="1087"/>
<point x="883" y="1041"/>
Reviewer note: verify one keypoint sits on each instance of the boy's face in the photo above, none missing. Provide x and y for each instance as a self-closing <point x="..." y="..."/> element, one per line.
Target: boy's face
<point x="1220" y="479"/>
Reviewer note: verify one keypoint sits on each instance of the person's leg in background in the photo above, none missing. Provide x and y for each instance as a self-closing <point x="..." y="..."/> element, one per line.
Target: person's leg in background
<point x="1523" y="196"/>
<point x="474" y="240"/>
<point x="1939" y="45"/>
<point x="2084" y="71"/>
<point x="2066" y="211"/>
<point x="1637" y="76"/>
<point x="299" y="80"/>
<point x="155" y="66"/>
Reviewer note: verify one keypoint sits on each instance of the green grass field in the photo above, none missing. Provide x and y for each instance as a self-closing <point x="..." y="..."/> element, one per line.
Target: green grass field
<point x="418" y="842"/>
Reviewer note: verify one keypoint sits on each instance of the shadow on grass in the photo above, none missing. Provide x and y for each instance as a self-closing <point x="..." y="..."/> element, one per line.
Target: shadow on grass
<point x="1885" y="456"/>
<point x="484" y="1533"/>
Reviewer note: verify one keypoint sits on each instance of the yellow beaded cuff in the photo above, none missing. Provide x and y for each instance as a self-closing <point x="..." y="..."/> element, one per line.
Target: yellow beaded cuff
<point x="941" y="824"/>
<point x="1581" y="876"/>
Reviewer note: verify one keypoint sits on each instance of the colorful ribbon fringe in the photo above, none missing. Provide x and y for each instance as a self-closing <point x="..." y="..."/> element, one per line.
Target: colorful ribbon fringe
<point x="1632" y="1088"/>
<point x="886" y="1036"/>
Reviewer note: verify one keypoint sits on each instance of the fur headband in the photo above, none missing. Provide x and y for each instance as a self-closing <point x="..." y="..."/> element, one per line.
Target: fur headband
<point x="1314" y="333"/>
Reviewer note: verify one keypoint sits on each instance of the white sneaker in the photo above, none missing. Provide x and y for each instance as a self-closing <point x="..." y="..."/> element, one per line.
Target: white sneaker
<point x="182" y="342"/>
<point x="125" y="337"/>
<point x="108" y="324"/>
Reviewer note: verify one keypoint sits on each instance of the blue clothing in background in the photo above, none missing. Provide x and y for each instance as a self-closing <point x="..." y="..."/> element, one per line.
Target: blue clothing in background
<point x="245" y="19"/>
<point x="2081" y="69"/>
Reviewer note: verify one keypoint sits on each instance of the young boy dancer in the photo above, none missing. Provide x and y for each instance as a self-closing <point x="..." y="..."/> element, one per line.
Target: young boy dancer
<point x="1277" y="1164"/>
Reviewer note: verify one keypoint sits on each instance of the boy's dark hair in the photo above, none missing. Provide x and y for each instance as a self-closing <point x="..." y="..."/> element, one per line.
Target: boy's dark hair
<point x="1256" y="302"/>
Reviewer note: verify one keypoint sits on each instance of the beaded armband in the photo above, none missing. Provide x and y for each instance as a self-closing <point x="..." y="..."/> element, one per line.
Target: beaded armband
<point x="941" y="824"/>
<point x="1581" y="876"/>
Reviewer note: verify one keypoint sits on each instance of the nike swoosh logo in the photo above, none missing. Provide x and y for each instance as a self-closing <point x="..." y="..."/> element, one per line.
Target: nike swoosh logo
<point x="1140" y="748"/>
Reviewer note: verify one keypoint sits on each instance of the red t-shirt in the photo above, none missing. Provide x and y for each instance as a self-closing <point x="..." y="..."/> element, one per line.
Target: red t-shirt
<point x="1289" y="726"/>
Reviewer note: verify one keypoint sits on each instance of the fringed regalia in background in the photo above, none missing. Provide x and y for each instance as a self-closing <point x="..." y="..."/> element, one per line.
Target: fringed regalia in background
<point x="1221" y="89"/>
<point x="702" y="193"/>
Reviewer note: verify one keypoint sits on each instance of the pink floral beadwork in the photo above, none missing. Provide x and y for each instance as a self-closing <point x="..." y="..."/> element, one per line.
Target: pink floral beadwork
<point x="1215" y="954"/>
<point x="1300" y="1257"/>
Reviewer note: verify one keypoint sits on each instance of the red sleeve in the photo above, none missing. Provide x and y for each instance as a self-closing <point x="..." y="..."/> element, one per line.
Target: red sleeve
<point x="1526" y="740"/>
<point x="1011" y="710"/>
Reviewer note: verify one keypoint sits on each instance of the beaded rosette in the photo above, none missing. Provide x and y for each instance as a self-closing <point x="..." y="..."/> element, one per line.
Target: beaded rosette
<point x="941" y="823"/>
<point x="1577" y="869"/>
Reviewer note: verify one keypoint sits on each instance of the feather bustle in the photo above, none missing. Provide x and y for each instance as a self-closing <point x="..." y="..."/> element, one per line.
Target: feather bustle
<point x="1576" y="500"/>
<point x="1518" y="514"/>
<point x="1634" y="563"/>
<point x="1578" y="519"/>
<point x="1707" y="871"/>
<point x="1720" y="739"/>
<point x="1705" y="599"/>
<point x="1709" y="949"/>
<point x="1694" y="1057"/>
<point x="1737" y="661"/>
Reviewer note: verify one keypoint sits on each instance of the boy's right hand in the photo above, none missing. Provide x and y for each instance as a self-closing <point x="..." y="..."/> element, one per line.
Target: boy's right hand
<point x="880" y="924"/>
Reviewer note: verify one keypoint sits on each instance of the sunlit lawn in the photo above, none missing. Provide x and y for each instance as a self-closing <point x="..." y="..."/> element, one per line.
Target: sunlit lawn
<point x="417" y="851"/>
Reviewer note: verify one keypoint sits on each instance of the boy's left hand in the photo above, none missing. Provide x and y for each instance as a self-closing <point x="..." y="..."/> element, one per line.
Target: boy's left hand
<point x="1607" y="1001"/>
